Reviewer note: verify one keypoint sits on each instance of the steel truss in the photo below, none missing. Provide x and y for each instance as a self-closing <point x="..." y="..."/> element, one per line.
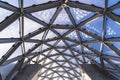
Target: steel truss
<point x="49" y="72"/>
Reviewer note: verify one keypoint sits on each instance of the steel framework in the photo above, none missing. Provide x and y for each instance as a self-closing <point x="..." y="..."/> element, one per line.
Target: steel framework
<point x="66" y="67"/>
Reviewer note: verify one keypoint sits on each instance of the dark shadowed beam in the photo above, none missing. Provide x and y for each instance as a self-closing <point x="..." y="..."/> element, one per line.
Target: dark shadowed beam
<point x="31" y="17"/>
<point x="113" y="39"/>
<point x="9" y="7"/>
<point x="49" y="5"/>
<point x="114" y="17"/>
<point x="62" y="26"/>
<point x="9" y="40"/>
<point x="5" y="23"/>
<point x="92" y="8"/>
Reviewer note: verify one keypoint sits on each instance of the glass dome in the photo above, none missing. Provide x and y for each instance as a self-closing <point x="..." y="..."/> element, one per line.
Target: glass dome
<point x="60" y="35"/>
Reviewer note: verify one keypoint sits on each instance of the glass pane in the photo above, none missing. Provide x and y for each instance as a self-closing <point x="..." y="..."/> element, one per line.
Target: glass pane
<point x="28" y="27"/>
<point x="95" y="26"/>
<point x="80" y="15"/>
<point x="45" y="15"/>
<point x="62" y="18"/>
<point x="108" y="51"/>
<point x="112" y="29"/>
<point x="112" y="2"/>
<point x="117" y="11"/>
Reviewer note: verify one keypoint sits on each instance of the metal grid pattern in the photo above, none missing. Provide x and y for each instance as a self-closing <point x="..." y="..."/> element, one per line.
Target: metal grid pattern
<point x="61" y="55"/>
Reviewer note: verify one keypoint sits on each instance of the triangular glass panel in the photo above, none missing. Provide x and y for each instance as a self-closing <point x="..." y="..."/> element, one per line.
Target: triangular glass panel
<point x="60" y="58"/>
<point x="85" y="50"/>
<point x="48" y="60"/>
<point x="28" y="27"/>
<point x="77" y="54"/>
<point x="60" y="50"/>
<point x="69" y="43"/>
<point x="80" y="57"/>
<point x="108" y="51"/>
<point x="73" y="36"/>
<point x="45" y="46"/>
<point x="68" y="57"/>
<point x="45" y="15"/>
<point x="112" y="2"/>
<point x="73" y="60"/>
<point x="94" y="26"/>
<point x="96" y="46"/>
<point x="62" y="18"/>
<point x="35" y="2"/>
<point x="66" y="64"/>
<point x="29" y="45"/>
<point x="68" y="52"/>
<point x="99" y="3"/>
<point x="12" y="2"/>
<point x="80" y="15"/>
<point x="11" y="31"/>
<point x="52" y="42"/>
<point x="61" y="31"/>
<point x="61" y="43"/>
<point x="4" y="14"/>
<point x="50" y="35"/>
<point x="117" y="11"/>
<point x="85" y="37"/>
<point x="112" y="29"/>
<point x="78" y="48"/>
<point x="97" y="60"/>
<point x="53" y="52"/>
<point x="60" y="63"/>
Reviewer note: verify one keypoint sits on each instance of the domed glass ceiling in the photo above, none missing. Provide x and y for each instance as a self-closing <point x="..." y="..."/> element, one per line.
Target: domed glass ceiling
<point x="60" y="35"/>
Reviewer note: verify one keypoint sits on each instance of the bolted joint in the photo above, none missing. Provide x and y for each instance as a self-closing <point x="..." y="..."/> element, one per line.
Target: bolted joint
<point x="65" y="4"/>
